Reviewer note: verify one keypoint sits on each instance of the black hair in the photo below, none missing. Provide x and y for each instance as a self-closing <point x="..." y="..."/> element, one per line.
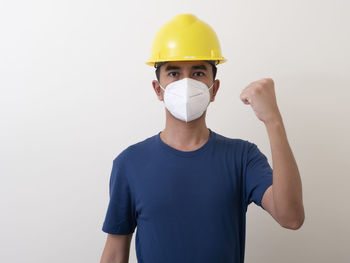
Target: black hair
<point x="213" y="64"/>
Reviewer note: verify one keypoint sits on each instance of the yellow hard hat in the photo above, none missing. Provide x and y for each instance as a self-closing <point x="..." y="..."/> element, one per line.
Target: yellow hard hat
<point x="183" y="38"/>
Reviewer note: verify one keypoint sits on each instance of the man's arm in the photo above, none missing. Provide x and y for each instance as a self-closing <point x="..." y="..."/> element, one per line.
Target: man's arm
<point x="283" y="200"/>
<point x="117" y="249"/>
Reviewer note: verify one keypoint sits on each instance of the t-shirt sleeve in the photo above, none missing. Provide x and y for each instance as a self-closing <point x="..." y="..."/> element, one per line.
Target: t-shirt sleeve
<point x="120" y="217"/>
<point x="258" y="175"/>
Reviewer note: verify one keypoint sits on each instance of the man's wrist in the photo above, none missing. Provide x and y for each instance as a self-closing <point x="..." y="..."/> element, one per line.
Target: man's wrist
<point x="274" y="121"/>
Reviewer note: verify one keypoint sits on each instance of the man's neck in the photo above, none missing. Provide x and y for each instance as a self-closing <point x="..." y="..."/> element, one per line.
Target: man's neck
<point x="185" y="136"/>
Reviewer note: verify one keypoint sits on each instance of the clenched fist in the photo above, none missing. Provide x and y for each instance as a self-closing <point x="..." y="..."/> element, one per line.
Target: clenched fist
<point x="261" y="96"/>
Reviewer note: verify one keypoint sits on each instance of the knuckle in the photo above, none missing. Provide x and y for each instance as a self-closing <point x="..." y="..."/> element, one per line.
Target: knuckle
<point x="269" y="80"/>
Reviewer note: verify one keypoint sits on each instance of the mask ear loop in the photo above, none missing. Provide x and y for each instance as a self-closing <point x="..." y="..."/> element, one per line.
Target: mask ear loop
<point x="210" y="86"/>
<point x="161" y="86"/>
<point x="162" y="89"/>
<point x="209" y="89"/>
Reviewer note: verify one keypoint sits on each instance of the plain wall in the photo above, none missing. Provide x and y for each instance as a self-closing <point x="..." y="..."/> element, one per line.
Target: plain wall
<point x="75" y="91"/>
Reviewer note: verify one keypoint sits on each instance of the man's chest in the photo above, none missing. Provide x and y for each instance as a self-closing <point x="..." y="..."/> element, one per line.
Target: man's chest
<point x="169" y="190"/>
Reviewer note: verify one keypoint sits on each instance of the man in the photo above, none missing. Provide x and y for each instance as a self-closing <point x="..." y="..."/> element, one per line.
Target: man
<point x="187" y="188"/>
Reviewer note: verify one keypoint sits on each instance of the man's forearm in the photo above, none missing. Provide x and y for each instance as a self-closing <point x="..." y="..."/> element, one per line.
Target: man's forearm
<point x="287" y="186"/>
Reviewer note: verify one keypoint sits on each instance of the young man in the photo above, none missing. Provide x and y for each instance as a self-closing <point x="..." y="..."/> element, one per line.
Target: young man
<point x="187" y="188"/>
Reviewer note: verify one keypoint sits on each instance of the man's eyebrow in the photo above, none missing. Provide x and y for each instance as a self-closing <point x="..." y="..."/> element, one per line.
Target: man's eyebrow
<point x="202" y="66"/>
<point x="168" y="68"/>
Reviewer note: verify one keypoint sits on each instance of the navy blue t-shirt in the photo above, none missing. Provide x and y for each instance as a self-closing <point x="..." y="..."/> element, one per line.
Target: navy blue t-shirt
<point x="188" y="206"/>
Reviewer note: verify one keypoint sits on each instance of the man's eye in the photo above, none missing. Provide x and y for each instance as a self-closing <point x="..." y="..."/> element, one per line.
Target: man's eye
<point x="199" y="74"/>
<point x="173" y="74"/>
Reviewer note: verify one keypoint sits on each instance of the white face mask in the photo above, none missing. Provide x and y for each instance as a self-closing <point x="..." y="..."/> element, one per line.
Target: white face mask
<point x="187" y="98"/>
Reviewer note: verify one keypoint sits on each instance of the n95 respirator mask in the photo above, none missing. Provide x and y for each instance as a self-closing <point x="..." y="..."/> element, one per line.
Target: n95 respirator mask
<point x="187" y="98"/>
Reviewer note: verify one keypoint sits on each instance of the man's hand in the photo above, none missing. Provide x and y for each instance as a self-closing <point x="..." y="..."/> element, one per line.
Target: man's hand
<point x="261" y="96"/>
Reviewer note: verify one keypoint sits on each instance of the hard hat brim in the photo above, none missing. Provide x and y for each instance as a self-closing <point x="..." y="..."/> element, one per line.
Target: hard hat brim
<point x="151" y="62"/>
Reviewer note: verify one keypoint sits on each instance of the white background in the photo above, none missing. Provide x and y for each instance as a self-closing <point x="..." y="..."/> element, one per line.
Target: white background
<point x="75" y="91"/>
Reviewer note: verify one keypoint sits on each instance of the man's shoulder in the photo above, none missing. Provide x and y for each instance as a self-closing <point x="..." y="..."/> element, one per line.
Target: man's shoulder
<point x="236" y="142"/>
<point x="136" y="150"/>
<point x="237" y="148"/>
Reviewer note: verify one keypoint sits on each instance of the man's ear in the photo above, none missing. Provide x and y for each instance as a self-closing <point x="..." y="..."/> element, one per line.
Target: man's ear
<point x="157" y="89"/>
<point x="215" y="89"/>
